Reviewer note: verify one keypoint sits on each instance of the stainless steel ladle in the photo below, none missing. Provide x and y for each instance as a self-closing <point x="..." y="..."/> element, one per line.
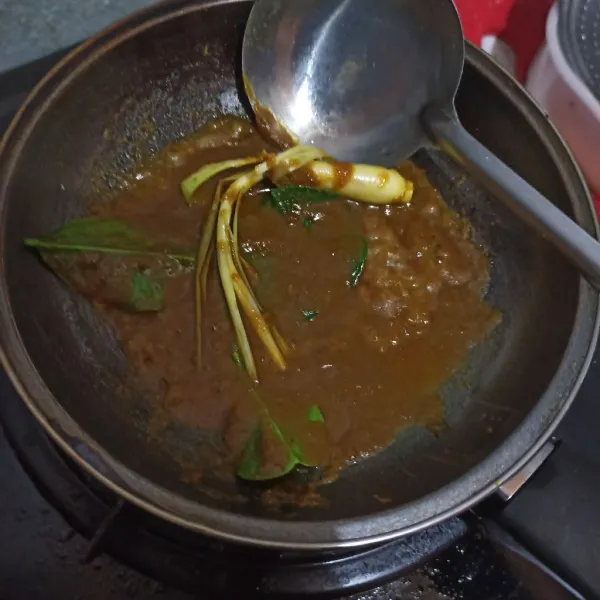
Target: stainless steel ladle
<point x="374" y="81"/>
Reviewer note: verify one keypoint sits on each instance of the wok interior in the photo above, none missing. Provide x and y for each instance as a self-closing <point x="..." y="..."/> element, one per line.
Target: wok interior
<point x="163" y="84"/>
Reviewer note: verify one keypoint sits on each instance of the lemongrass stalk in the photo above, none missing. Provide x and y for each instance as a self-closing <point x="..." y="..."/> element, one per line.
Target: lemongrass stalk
<point x="251" y="306"/>
<point x="227" y="274"/>
<point x="205" y="273"/>
<point x="248" y="268"/>
<point x="298" y="157"/>
<point x="257" y="320"/>
<point x="363" y="183"/>
<point x="283" y="345"/>
<point x="238" y="260"/>
<point x="234" y="284"/>
<point x="201" y="272"/>
<point x="190" y="184"/>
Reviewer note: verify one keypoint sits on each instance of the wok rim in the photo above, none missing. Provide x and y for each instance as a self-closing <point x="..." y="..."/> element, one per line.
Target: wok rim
<point x="356" y="532"/>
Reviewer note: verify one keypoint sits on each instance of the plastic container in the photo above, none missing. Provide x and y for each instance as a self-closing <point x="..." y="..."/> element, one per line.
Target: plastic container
<point x="571" y="106"/>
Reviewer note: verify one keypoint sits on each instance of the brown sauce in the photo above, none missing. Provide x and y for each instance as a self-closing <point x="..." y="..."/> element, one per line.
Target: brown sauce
<point x="371" y="357"/>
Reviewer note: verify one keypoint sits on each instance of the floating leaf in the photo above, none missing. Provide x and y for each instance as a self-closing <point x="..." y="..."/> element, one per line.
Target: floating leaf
<point x="268" y="453"/>
<point x="147" y="293"/>
<point x="108" y="236"/>
<point x="359" y="264"/>
<point x="307" y="222"/>
<point x="125" y="282"/>
<point x="112" y="262"/>
<point x="310" y="315"/>
<point x="250" y="463"/>
<point x="290" y="198"/>
<point x="315" y="415"/>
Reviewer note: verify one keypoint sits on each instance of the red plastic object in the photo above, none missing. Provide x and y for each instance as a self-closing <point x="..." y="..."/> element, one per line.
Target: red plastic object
<point x="521" y="24"/>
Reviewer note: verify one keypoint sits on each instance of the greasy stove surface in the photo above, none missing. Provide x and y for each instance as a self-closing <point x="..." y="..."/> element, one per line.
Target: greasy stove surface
<point x="43" y="557"/>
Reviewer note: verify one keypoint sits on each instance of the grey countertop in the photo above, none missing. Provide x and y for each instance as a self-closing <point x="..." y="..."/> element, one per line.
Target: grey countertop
<point x="30" y="29"/>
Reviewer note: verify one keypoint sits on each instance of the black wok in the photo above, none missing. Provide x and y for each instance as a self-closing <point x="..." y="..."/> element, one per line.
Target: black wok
<point x="174" y="66"/>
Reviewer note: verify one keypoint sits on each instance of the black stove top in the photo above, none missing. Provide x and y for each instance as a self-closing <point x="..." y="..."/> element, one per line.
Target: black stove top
<point x="65" y="536"/>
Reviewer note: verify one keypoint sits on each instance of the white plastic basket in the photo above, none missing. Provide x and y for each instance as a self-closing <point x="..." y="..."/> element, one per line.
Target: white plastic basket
<point x="569" y="103"/>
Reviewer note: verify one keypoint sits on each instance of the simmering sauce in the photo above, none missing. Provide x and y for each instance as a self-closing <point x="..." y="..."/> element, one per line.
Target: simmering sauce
<point x="371" y="356"/>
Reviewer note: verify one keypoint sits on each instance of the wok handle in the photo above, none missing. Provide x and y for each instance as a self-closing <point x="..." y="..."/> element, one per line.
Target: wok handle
<point x="571" y="240"/>
<point x="555" y="514"/>
<point x="555" y="517"/>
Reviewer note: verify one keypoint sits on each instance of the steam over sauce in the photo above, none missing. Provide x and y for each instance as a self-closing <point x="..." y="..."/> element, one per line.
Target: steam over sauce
<point x="371" y="357"/>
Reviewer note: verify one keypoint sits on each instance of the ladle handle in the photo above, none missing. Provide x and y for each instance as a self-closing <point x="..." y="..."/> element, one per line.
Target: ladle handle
<point x="520" y="197"/>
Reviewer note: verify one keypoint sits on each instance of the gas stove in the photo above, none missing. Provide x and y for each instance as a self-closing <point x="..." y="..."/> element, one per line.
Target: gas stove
<point x="66" y="536"/>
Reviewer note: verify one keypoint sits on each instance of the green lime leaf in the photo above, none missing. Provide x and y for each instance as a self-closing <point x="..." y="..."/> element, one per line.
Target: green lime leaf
<point x="289" y="199"/>
<point x="315" y="415"/>
<point x="268" y="453"/>
<point x="107" y="236"/>
<point x="112" y="262"/>
<point x="125" y="282"/>
<point x="250" y="463"/>
<point x="147" y="294"/>
<point x="310" y="315"/>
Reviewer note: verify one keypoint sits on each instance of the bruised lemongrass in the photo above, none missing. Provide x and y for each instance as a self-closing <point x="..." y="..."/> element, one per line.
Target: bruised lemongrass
<point x="226" y="266"/>
<point x="205" y="273"/>
<point x="203" y="259"/>
<point x="363" y="183"/>
<point x="280" y="340"/>
<point x="235" y="245"/>
<point x="249" y="269"/>
<point x="234" y="283"/>
<point x="190" y="184"/>
<point x="203" y="256"/>
<point x="239" y="262"/>
<point x="301" y="157"/>
<point x="242" y="265"/>
<point x="228" y="271"/>
<point x="258" y="322"/>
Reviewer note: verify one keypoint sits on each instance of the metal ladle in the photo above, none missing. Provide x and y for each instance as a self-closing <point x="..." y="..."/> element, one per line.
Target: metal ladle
<point x="374" y="81"/>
